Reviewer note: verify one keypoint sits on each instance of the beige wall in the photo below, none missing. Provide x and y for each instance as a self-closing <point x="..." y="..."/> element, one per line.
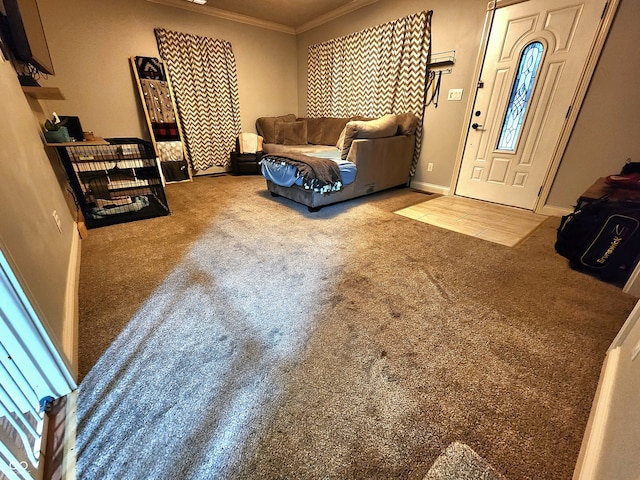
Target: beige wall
<point x="39" y="254"/>
<point x="91" y="42"/>
<point x="603" y="137"/>
<point x="619" y="457"/>
<point x="606" y="132"/>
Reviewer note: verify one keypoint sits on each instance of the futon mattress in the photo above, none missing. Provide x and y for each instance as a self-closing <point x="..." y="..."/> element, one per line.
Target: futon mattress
<point x="287" y="175"/>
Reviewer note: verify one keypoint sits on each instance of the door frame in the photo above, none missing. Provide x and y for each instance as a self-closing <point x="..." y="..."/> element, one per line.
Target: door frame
<point x="575" y="105"/>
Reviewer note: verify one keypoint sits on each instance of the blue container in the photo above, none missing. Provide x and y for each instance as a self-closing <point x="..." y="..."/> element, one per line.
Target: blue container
<point x="57" y="136"/>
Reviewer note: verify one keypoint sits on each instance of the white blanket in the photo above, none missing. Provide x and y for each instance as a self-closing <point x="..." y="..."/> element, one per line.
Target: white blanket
<point x="249" y="143"/>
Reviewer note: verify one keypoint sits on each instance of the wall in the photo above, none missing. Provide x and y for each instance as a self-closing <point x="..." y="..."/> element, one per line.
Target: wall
<point x="91" y="42"/>
<point x="455" y="26"/>
<point x="39" y="254"/>
<point x="619" y="456"/>
<point x="603" y="136"/>
<point x="606" y="132"/>
<point x="610" y="447"/>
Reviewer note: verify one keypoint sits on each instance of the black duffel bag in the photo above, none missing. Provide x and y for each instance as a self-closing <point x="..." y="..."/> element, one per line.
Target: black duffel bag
<point x="602" y="238"/>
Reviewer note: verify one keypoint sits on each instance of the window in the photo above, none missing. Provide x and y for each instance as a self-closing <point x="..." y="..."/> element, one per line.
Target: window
<point x="520" y="95"/>
<point x="31" y="374"/>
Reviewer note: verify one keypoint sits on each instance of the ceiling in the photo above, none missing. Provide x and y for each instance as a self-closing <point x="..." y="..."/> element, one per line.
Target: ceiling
<point x="290" y="16"/>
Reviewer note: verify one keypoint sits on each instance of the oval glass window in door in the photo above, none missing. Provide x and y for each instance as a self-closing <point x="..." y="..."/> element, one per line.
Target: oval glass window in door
<point x="520" y="95"/>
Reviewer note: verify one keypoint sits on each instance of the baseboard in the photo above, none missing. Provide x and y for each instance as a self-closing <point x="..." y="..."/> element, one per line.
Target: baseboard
<point x="588" y="458"/>
<point x="430" y="188"/>
<point x="70" y="329"/>
<point x="214" y="170"/>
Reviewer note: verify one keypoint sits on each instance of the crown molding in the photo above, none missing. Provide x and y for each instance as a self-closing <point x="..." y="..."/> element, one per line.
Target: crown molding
<point x="256" y="22"/>
<point x="226" y="15"/>
<point x="332" y="15"/>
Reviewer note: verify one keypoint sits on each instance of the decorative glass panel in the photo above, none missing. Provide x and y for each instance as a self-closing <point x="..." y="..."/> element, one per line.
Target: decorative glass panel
<point x="520" y="95"/>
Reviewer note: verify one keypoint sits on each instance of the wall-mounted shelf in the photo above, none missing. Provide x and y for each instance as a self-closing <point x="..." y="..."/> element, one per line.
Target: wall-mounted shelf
<point x="442" y="62"/>
<point x="44" y="93"/>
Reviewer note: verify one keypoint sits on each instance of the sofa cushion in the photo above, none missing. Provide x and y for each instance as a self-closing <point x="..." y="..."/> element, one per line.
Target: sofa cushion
<point x="324" y="130"/>
<point x="407" y="123"/>
<point x="291" y="133"/>
<point x="384" y="126"/>
<point x="266" y="128"/>
<point x="340" y="141"/>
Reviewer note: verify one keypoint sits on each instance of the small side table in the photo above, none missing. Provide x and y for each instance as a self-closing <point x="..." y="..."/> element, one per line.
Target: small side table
<point x="245" y="163"/>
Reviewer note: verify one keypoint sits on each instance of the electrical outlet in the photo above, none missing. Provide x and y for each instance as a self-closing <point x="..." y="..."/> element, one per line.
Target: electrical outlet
<point x="56" y="218"/>
<point x="455" y="94"/>
<point x="429" y="167"/>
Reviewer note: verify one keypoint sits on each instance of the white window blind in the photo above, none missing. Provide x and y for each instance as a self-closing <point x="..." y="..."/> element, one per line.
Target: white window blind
<point x="31" y="373"/>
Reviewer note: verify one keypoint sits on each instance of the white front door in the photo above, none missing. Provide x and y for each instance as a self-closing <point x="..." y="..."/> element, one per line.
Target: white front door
<point x="534" y="62"/>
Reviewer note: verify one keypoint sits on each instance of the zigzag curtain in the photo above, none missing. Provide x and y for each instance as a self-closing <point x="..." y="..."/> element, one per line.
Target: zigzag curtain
<point x="372" y="72"/>
<point x="204" y="80"/>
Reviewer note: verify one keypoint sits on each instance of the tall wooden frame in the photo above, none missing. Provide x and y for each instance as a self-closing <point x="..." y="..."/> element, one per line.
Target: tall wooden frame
<point x="152" y="134"/>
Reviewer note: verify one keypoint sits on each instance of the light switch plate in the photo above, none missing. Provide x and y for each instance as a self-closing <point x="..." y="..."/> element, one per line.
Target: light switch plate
<point x="455" y="94"/>
<point x="636" y="351"/>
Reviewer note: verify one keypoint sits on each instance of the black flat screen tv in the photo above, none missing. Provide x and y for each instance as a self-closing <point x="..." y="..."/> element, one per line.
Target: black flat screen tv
<point x="28" y="41"/>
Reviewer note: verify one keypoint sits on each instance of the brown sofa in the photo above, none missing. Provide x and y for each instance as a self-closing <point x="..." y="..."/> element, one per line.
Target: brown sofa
<point x="381" y="149"/>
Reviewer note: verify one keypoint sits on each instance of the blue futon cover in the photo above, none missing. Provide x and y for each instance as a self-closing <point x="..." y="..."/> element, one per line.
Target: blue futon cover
<point x="287" y="175"/>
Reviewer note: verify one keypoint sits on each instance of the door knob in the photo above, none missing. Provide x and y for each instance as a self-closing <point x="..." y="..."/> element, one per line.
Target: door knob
<point x="476" y="126"/>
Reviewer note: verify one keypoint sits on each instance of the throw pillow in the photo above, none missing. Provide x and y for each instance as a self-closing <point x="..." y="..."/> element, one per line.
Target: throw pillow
<point x="407" y="123"/>
<point x="384" y="126"/>
<point x="291" y="133"/>
<point x="265" y="126"/>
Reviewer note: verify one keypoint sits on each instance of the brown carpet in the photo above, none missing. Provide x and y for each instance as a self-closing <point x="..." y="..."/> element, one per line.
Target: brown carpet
<point x="459" y="462"/>
<point x="419" y="338"/>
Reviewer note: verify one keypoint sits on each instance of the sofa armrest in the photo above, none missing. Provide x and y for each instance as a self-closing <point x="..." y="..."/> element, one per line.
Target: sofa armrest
<point x="387" y="156"/>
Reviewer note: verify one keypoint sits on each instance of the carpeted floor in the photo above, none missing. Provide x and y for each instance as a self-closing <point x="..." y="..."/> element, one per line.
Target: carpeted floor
<point x="459" y="462"/>
<point x="244" y="337"/>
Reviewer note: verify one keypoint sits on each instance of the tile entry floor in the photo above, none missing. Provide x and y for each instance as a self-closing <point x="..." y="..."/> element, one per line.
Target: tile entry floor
<point x="488" y="221"/>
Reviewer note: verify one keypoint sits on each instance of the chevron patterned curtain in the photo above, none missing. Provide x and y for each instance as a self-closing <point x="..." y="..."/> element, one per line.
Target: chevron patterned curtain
<point x="204" y="80"/>
<point x="372" y="72"/>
